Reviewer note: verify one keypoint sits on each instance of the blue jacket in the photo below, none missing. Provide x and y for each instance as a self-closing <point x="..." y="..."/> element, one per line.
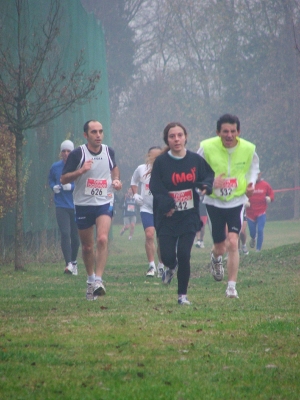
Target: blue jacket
<point x="64" y="198"/>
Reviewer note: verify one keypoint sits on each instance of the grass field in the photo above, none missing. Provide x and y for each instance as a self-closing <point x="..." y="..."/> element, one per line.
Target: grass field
<point x="138" y="343"/>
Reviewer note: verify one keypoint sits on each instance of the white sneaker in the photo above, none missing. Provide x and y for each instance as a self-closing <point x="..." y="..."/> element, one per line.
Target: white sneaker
<point x="69" y="269"/>
<point x="182" y="300"/>
<point x="217" y="269"/>
<point x="201" y="245"/>
<point x="231" y="293"/>
<point x="151" y="271"/>
<point x="90" y="292"/>
<point x="160" y="270"/>
<point x="198" y="244"/>
<point x="99" y="289"/>
<point x="244" y="249"/>
<point x="75" y="269"/>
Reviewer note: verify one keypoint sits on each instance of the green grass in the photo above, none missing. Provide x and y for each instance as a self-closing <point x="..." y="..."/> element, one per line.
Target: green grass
<point x="137" y="343"/>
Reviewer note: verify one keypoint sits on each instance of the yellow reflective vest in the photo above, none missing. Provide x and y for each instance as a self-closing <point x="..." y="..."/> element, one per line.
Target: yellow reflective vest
<point x="235" y="165"/>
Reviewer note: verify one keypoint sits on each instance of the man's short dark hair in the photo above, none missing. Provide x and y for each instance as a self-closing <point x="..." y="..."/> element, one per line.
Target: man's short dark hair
<point x="228" y="119"/>
<point x="86" y="125"/>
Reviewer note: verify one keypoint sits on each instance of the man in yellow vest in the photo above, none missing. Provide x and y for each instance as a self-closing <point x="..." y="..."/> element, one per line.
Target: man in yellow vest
<point x="236" y="166"/>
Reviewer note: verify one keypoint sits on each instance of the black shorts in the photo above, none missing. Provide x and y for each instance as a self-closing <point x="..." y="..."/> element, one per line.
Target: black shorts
<point x="218" y="218"/>
<point x="86" y="216"/>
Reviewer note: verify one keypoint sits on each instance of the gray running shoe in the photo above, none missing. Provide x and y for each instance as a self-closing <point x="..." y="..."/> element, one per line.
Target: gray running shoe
<point x="252" y="243"/>
<point x="160" y="271"/>
<point x="244" y="250"/>
<point x="99" y="289"/>
<point x="217" y="269"/>
<point x="90" y="292"/>
<point x="75" y="269"/>
<point x="168" y="275"/>
<point x="231" y="293"/>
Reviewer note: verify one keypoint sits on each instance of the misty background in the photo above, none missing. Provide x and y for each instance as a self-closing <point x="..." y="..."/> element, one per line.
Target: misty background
<point x="192" y="61"/>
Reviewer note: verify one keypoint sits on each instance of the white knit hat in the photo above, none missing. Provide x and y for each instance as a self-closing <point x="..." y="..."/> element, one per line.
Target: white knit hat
<point x="67" y="145"/>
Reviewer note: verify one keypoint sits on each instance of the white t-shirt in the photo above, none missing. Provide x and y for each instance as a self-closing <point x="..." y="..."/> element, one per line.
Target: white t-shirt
<point x="139" y="177"/>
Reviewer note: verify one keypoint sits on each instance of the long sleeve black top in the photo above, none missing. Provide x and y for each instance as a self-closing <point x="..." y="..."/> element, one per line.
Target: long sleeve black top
<point x="177" y="179"/>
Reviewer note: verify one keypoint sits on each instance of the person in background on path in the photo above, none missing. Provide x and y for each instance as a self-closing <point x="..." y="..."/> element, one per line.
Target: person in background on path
<point x="64" y="208"/>
<point x="236" y="166"/>
<point x="129" y="213"/>
<point x="93" y="168"/>
<point x="256" y="214"/>
<point x="141" y="176"/>
<point x="203" y="216"/>
<point x="174" y="178"/>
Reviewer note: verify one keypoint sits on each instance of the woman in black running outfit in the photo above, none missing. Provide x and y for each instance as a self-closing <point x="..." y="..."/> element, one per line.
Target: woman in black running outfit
<point x="174" y="178"/>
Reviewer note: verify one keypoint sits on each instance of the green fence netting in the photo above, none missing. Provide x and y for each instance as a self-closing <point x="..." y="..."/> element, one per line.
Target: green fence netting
<point x="79" y="30"/>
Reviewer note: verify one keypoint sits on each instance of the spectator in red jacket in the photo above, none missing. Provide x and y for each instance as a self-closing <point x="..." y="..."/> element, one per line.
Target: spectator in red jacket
<point x="256" y="214"/>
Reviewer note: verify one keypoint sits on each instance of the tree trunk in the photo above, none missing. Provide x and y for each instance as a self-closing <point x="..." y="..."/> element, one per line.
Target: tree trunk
<point x="292" y="61"/>
<point x="19" y="259"/>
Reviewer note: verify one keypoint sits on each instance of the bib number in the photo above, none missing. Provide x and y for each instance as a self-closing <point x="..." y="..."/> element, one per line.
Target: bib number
<point x="131" y="207"/>
<point x="230" y="184"/>
<point x="96" y="187"/>
<point x="184" y="199"/>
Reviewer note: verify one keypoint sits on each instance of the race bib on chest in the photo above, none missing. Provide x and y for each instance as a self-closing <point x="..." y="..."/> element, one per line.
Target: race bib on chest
<point x="230" y="184"/>
<point x="147" y="190"/>
<point x="131" y="207"/>
<point x="96" y="187"/>
<point x="183" y="198"/>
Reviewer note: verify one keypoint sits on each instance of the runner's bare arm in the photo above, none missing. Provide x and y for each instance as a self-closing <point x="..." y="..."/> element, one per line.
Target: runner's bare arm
<point x="71" y="176"/>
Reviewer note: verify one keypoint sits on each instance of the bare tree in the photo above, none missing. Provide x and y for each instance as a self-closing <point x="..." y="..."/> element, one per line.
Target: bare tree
<point x="34" y="87"/>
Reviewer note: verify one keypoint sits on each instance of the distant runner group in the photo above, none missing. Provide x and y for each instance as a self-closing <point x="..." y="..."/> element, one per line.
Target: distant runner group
<point x="177" y="191"/>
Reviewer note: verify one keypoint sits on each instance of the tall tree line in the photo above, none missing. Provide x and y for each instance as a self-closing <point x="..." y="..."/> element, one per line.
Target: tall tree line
<point x="192" y="61"/>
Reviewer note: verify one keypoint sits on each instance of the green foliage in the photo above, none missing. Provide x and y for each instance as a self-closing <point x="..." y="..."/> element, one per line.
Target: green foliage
<point x="137" y="343"/>
<point x="47" y="69"/>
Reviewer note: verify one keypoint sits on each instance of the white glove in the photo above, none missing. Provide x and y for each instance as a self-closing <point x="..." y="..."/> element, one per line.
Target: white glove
<point x="67" y="186"/>
<point x="56" y="188"/>
<point x="268" y="199"/>
<point x="138" y="199"/>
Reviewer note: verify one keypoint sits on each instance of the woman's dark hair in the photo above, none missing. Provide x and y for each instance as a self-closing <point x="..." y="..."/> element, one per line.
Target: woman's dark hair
<point x="172" y="125"/>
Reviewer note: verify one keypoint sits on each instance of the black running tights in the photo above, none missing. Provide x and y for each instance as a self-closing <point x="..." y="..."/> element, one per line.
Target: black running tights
<point x="177" y="250"/>
<point x="69" y="234"/>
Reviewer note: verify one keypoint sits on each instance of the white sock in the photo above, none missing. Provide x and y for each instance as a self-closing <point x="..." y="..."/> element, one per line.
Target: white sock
<point x="91" y="279"/>
<point x="98" y="278"/>
<point x="152" y="264"/>
<point x="219" y="258"/>
<point x="231" y="284"/>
